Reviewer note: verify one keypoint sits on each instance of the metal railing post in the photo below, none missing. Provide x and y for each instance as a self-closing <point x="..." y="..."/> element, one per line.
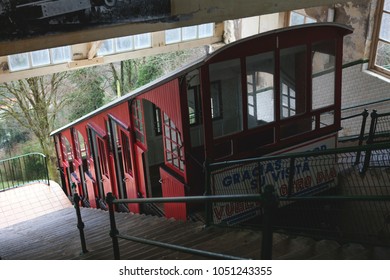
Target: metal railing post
<point x="370" y="140"/>
<point x="47" y="172"/>
<point x="208" y="205"/>
<point x="80" y="224"/>
<point x="114" y="231"/>
<point x="361" y="135"/>
<point x="291" y="176"/>
<point x="269" y="208"/>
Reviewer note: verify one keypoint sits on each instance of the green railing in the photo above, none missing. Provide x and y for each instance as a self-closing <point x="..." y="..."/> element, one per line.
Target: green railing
<point x="324" y="194"/>
<point x="22" y="170"/>
<point x="115" y="234"/>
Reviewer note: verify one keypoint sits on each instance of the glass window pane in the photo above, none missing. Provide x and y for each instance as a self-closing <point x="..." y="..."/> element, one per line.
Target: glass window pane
<point x="40" y="58"/>
<point x="18" y="61"/>
<point x="226" y="97"/>
<point x="385" y="27"/>
<point x="326" y="119"/>
<point x="173" y="36"/>
<point x="206" y="30"/>
<point x="310" y="20"/>
<point x="142" y="41"/>
<point x="189" y="33"/>
<point x="296" y="19"/>
<point x="323" y="71"/>
<point x="107" y="47"/>
<point x="216" y="100"/>
<point x="387" y="5"/>
<point x="293" y="75"/>
<point x="61" y="54"/>
<point x="261" y="70"/>
<point x="124" y="43"/>
<point x="192" y="105"/>
<point x="383" y="55"/>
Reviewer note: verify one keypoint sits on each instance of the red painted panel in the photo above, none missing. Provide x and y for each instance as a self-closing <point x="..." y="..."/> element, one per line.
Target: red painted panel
<point x="111" y="168"/>
<point x="167" y="98"/>
<point x="172" y="187"/>
<point x="131" y="191"/>
<point x="91" y="191"/>
<point x="140" y="170"/>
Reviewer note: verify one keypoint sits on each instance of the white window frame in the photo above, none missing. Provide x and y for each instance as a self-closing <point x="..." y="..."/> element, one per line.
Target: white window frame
<point x="136" y="42"/>
<point x="177" y="35"/>
<point x="30" y="61"/>
<point x="377" y="40"/>
<point x="306" y="18"/>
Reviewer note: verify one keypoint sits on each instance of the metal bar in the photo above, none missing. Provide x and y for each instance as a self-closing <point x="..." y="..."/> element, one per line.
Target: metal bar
<point x="361" y="135"/>
<point x="21" y="171"/>
<point x="291" y="176"/>
<point x="47" y="171"/>
<point x="7" y="175"/>
<point x="114" y="231"/>
<point x="1" y="177"/>
<point x="208" y="206"/>
<point x="370" y="140"/>
<point x="180" y="248"/>
<point x="269" y="208"/>
<point x="80" y="224"/>
<point x="376" y="146"/>
<point x="210" y="198"/>
<point x="337" y="198"/>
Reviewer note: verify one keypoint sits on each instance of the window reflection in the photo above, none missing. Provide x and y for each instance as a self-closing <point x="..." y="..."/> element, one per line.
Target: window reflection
<point x="260" y="89"/>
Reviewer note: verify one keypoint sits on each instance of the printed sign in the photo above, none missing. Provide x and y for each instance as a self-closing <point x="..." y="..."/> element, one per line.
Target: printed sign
<point x="311" y="175"/>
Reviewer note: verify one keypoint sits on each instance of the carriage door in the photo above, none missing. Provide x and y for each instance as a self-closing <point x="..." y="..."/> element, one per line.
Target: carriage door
<point x="171" y="184"/>
<point x="123" y="162"/>
<point x="100" y="155"/>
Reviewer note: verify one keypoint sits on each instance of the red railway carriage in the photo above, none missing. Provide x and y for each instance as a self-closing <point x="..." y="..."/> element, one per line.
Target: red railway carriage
<point x="265" y="94"/>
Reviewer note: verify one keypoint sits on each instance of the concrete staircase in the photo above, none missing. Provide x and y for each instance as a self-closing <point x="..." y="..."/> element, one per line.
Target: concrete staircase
<point x="55" y="236"/>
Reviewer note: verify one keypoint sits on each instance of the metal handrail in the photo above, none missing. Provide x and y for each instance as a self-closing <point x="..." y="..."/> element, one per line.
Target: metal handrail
<point x="21" y="156"/>
<point x="269" y="200"/>
<point x="14" y="171"/>
<point x="114" y="233"/>
<point x="376" y="146"/>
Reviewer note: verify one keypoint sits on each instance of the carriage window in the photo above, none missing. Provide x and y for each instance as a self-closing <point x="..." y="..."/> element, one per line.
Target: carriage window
<point x="157" y="120"/>
<point x="103" y="161"/>
<point x="67" y="149"/>
<point x="126" y="152"/>
<point x="138" y="121"/>
<point x="193" y="105"/>
<point x="226" y="97"/>
<point x="83" y="145"/>
<point x="323" y="74"/>
<point x="260" y="87"/>
<point x="292" y="81"/>
<point x="216" y="100"/>
<point x="75" y="134"/>
<point x="288" y="101"/>
<point x="173" y="144"/>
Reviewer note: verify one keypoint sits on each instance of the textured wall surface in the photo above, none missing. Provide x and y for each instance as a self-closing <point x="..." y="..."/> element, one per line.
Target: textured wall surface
<point x="360" y="88"/>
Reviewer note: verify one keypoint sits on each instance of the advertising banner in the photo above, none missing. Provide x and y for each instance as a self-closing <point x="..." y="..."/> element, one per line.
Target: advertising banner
<point x="311" y="175"/>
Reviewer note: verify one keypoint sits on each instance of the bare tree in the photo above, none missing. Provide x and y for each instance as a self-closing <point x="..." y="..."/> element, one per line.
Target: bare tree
<point x="34" y="103"/>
